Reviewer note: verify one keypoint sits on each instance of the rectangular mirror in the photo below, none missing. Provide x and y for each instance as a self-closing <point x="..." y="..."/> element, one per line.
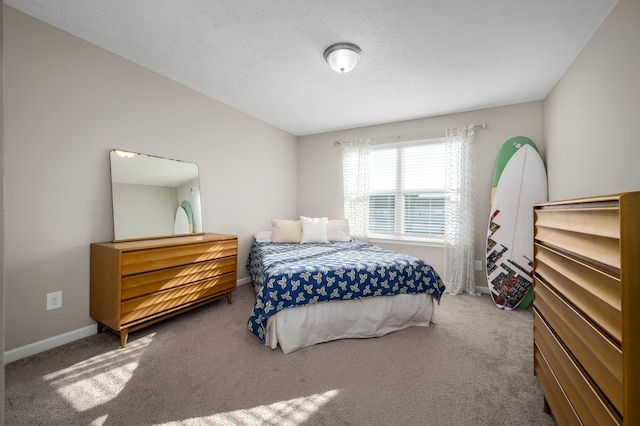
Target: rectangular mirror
<point x="153" y="196"/>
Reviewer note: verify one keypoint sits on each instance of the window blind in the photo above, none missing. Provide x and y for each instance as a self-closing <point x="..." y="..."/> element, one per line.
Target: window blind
<point x="406" y="189"/>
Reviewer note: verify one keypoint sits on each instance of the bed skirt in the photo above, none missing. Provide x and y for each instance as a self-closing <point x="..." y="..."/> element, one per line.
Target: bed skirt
<point x="297" y="327"/>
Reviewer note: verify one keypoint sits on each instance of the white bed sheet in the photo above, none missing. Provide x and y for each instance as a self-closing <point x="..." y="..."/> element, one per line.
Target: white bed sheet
<point x="296" y="328"/>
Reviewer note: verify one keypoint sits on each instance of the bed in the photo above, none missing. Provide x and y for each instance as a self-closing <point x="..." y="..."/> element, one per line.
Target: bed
<point x="321" y="291"/>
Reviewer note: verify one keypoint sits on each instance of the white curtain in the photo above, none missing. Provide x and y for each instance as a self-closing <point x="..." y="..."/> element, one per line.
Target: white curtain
<point x="459" y="275"/>
<point x="355" y="177"/>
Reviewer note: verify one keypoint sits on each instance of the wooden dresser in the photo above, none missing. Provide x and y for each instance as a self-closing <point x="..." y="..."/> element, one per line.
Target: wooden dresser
<point x="587" y="309"/>
<point x="137" y="283"/>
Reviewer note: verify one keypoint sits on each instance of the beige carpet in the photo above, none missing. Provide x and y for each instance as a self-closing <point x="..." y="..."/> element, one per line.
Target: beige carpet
<point x="474" y="367"/>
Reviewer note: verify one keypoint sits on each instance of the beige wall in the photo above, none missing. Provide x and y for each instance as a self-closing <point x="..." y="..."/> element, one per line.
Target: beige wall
<point x="320" y="164"/>
<point x="591" y="116"/>
<point x="67" y="103"/>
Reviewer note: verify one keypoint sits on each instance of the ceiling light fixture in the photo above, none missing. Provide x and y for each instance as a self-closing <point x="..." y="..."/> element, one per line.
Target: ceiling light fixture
<point x="342" y="57"/>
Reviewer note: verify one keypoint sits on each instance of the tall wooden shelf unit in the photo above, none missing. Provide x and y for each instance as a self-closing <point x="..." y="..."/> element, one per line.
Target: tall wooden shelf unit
<point x="134" y="284"/>
<point x="587" y="309"/>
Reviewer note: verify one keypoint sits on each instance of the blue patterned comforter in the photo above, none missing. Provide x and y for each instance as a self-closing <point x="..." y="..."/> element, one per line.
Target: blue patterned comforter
<point x="287" y="275"/>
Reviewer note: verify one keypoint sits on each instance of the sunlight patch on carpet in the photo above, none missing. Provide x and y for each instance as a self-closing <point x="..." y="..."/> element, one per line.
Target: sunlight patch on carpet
<point x="98" y="380"/>
<point x="283" y="413"/>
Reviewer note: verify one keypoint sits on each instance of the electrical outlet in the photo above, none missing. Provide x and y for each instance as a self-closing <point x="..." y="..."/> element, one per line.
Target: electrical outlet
<point x="478" y="265"/>
<point x="54" y="300"/>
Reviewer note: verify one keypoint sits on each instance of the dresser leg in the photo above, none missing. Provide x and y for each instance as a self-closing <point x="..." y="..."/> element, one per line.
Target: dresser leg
<point x="124" y="335"/>
<point x="229" y="298"/>
<point x="546" y="407"/>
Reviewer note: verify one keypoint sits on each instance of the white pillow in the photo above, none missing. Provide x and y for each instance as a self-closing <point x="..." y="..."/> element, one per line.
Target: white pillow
<point x="338" y="230"/>
<point x="262" y="236"/>
<point x="314" y="229"/>
<point x="285" y="231"/>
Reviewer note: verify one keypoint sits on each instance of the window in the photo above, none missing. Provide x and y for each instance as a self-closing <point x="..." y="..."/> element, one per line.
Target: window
<point x="406" y="190"/>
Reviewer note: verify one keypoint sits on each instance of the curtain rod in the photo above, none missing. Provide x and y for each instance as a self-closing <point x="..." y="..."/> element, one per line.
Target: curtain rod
<point x="476" y="126"/>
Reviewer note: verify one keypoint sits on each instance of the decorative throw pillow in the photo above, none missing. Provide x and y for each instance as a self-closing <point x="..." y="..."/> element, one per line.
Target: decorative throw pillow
<point x="285" y="231"/>
<point x="262" y="236"/>
<point x="314" y="229"/>
<point x="338" y="230"/>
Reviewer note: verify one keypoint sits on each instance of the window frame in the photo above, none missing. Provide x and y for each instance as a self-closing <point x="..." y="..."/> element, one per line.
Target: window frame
<point x="399" y="192"/>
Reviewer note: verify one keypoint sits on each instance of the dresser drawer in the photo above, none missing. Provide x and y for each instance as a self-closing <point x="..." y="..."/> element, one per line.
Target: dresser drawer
<point x="605" y="249"/>
<point x="580" y="391"/>
<point x="592" y="291"/>
<point x="593" y="233"/>
<point x="141" y="308"/>
<point x="561" y="408"/>
<point x="600" y="357"/>
<point x="137" y="261"/>
<point x="165" y="279"/>
<point x="601" y="221"/>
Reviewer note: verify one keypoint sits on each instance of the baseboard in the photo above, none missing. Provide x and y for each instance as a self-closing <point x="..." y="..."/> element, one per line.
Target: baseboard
<point x="482" y="290"/>
<point x="64" y="338"/>
<point x="49" y="343"/>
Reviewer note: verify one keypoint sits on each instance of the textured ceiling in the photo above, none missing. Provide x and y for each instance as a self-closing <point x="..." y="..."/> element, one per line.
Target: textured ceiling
<point x="420" y="58"/>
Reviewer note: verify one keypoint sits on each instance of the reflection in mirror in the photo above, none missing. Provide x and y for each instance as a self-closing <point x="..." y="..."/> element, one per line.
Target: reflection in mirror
<point x="153" y="196"/>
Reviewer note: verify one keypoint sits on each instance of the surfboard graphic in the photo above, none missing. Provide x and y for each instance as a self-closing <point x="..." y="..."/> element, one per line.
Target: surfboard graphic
<point x="523" y="182"/>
